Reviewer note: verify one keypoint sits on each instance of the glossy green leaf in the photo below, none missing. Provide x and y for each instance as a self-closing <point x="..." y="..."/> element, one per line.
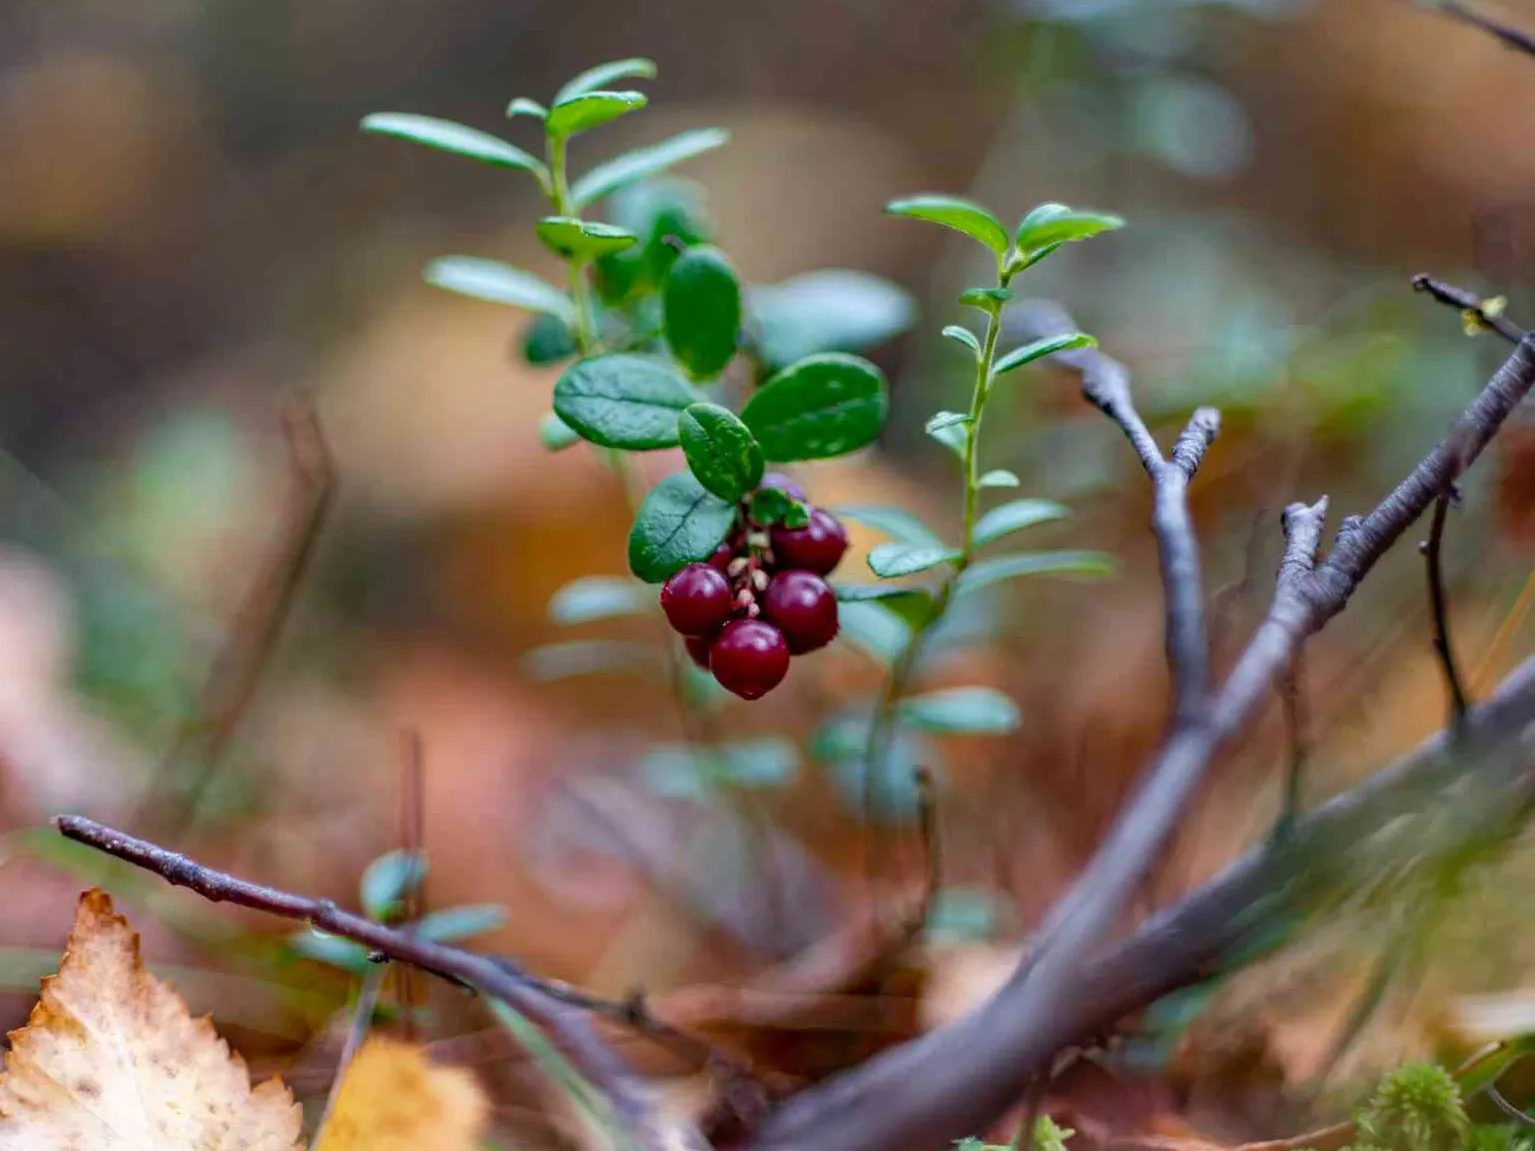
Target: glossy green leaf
<point x="387" y="881"/>
<point x="1039" y="349"/>
<point x="1014" y="517"/>
<point x="589" y="110"/>
<point x="553" y="661"/>
<point x="897" y="523"/>
<point x="522" y="106"/>
<point x="455" y="924"/>
<point x="998" y="478"/>
<point x="570" y="238"/>
<point x="831" y="310"/>
<point x="447" y="136"/>
<point x="547" y="340"/>
<point x="984" y="573"/>
<point x="624" y="169"/>
<point x="1052" y="224"/>
<point x="332" y="950"/>
<point x="679" y="523"/>
<point x="888" y="561"/>
<point x="876" y="631"/>
<point x="669" y="216"/>
<point x="769" y="506"/>
<point x="499" y="284"/>
<point x="989" y="300"/>
<point x="555" y="434"/>
<point x="623" y="401"/>
<point x="599" y="597"/>
<point x="600" y="76"/>
<point x="963" y="336"/>
<point x="914" y="605"/>
<point x="702" y="307"/>
<point x="951" y="433"/>
<point x="962" y="711"/>
<point x="720" y="451"/>
<point x="822" y="406"/>
<point x="938" y="421"/>
<point x="957" y="213"/>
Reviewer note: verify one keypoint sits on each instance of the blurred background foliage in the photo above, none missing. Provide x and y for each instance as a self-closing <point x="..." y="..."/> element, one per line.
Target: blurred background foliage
<point x="192" y="231"/>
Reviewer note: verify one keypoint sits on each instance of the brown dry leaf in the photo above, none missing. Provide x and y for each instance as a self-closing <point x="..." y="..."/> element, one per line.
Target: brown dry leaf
<point x="111" y="1058"/>
<point x="395" y="1099"/>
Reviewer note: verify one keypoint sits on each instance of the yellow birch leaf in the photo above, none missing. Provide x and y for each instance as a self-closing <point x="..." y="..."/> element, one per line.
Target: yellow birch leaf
<point x="395" y="1099"/>
<point x="112" y="1060"/>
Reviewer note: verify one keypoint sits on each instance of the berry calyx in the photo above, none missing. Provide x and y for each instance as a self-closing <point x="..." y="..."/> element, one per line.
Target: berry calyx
<point x="802" y="606"/>
<point x="750" y="658"/>
<point x="817" y="547"/>
<point x="697" y="600"/>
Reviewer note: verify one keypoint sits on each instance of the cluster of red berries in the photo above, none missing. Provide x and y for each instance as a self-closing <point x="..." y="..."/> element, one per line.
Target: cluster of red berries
<point x="760" y="599"/>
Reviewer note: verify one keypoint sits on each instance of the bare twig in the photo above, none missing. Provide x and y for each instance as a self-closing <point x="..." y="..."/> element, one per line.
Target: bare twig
<point x="1470" y="306"/>
<point x="1431" y="549"/>
<point x="1513" y="37"/>
<point x="356" y="1032"/>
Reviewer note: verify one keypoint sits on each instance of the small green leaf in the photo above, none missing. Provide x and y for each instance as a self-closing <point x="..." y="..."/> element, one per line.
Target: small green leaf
<point x="989" y="300"/>
<point x="628" y="167"/>
<point x="962" y="711"/>
<point x="332" y="950"/>
<point x="702" y="300"/>
<point x="831" y="310"/>
<point x="454" y="924"/>
<point x="570" y="238"/>
<point x="599" y="597"/>
<point x="913" y="604"/>
<point x="950" y="433"/>
<point x="822" y="406"/>
<point x="771" y="506"/>
<point x="547" y="340"/>
<point x="555" y="434"/>
<point x="499" y="284"/>
<point x="554" y="661"/>
<point x="877" y="632"/>
<point x="1052" y="224"/>
<point x="963" y="336"/>
<point x="889" y="561"/>
<point x="447" y="136"/>
<point x="720" y="450"/>
<point x="600" y="76"/>
<point x="1039" y="349"/>
<point x="954" y="212"/>
<point x="1015" y="516"/>
<point x="576" y="114"/>
<point x="896" y="523"/>
<point x="940" y="420"/>
<point x="522" y="106"/>
<point x="623" y="401"/>
<point x="984" y="573"/>
<point x="387" y="881"/>
<point x="679" y="523"/>
<point x="998" y="478"/>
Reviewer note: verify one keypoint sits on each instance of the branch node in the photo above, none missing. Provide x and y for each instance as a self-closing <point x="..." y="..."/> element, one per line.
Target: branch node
<point x="1302" y="525"/>
<point x="1189" y="450"/>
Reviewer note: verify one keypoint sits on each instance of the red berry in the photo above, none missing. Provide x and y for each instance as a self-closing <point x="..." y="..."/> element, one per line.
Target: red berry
<point x="698" y="647"/>
<point x="750" y="658"/>
<point x="722" y="556"/>
<point x="696" y="600"/>
<point x="803" y="607"/>
<point x="817" y="547"/>
<point x="784" y="484"/>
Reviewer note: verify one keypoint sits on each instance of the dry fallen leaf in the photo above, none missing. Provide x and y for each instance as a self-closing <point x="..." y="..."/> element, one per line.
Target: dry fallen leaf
<point x="112" y="1060"/>
<point x="395" y="1099"/>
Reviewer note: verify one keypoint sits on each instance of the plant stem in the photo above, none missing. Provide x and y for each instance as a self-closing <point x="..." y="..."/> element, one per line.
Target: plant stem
<point x="580" y="290"/>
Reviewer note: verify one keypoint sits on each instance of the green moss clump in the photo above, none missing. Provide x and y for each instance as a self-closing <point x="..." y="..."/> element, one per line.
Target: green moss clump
<point x="1417" y="1107"/>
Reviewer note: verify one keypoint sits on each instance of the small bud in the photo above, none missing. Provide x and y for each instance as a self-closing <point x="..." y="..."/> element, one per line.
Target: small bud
<point x="760" y="580"/>
<point x="737" y="566"/>
<point x="757" y="540"/>
<point x="745" y="598"/>
<point x="753" y="611"/>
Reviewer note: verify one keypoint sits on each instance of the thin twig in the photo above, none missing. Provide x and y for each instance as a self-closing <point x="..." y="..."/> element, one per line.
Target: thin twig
<point x="1508" y="1108"/>
<point x="1512" y="37"/>
<point x="1431" y="549"/>
<point x="1470" y="306"/>
<point x="932" y="847"/>
<point x="356" y="1032"/>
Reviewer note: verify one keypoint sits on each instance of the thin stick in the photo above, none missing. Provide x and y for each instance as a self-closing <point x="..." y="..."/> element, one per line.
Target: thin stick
<point x="362" y="1023"/>
<point x="1431" y="549"/>
<point x="1469" y="305"/>
<point x="1512" y="37"/>
<point x="932" y="847"/>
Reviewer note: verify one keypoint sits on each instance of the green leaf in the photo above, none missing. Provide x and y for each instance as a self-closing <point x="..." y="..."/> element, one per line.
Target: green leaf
<point x="582" y="113"/>
<point x="547" y="340"/>
<point x="702" y="300"/>
<point x="522" y="106"/>
<point x="954" y="212"/>
<point x="570" y="238"/>
<point x="998" y="478"/>
<point x="447" y="136"/>
<point x="720" y="451"/>
<point x="877" y="632"/>
<point x="555" y="434"/>
<point x="600" y="76"/>
<point x="623" y="401"/>
<point x="940" y="420"/>
<point x="897" y="523"/>
<point x="554" y="661"/>
<point x="599" y="597"/>
<point x="984" y="573"/>
<point x="332" y="950"/>
<point x="1015" y="516"/>
<point x="888" y="561"/>
<point x="962" y="711"/>
<point x="1051" y="224"/>
<point x="989" y="300"/>
<point x="499" y="284"/>
<point x="1039" y="349"/>
<point x="950" y="433"/>
<point x="831" y="310"/>
<point x="679" y="523"/>
<point x="822" y="406"/>
<point x="963" y="336"/>
<point x="771" y="506"/>
<point x="453" y="924"/>
<point x="913" y="604"/>
<point x="628" y="167"/>
<point x="387" y="881"/>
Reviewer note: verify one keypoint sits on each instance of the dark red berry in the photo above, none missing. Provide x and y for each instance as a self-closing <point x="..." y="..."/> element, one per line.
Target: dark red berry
<point x="816" y="547"/>
<point x="698" y="647"/>
<point x="696" y="600"/>
<point x="784" y="484"/>
<point x="750" y="658"/>
<point x="801" y="604"/>
<point x="722" y="556"/>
